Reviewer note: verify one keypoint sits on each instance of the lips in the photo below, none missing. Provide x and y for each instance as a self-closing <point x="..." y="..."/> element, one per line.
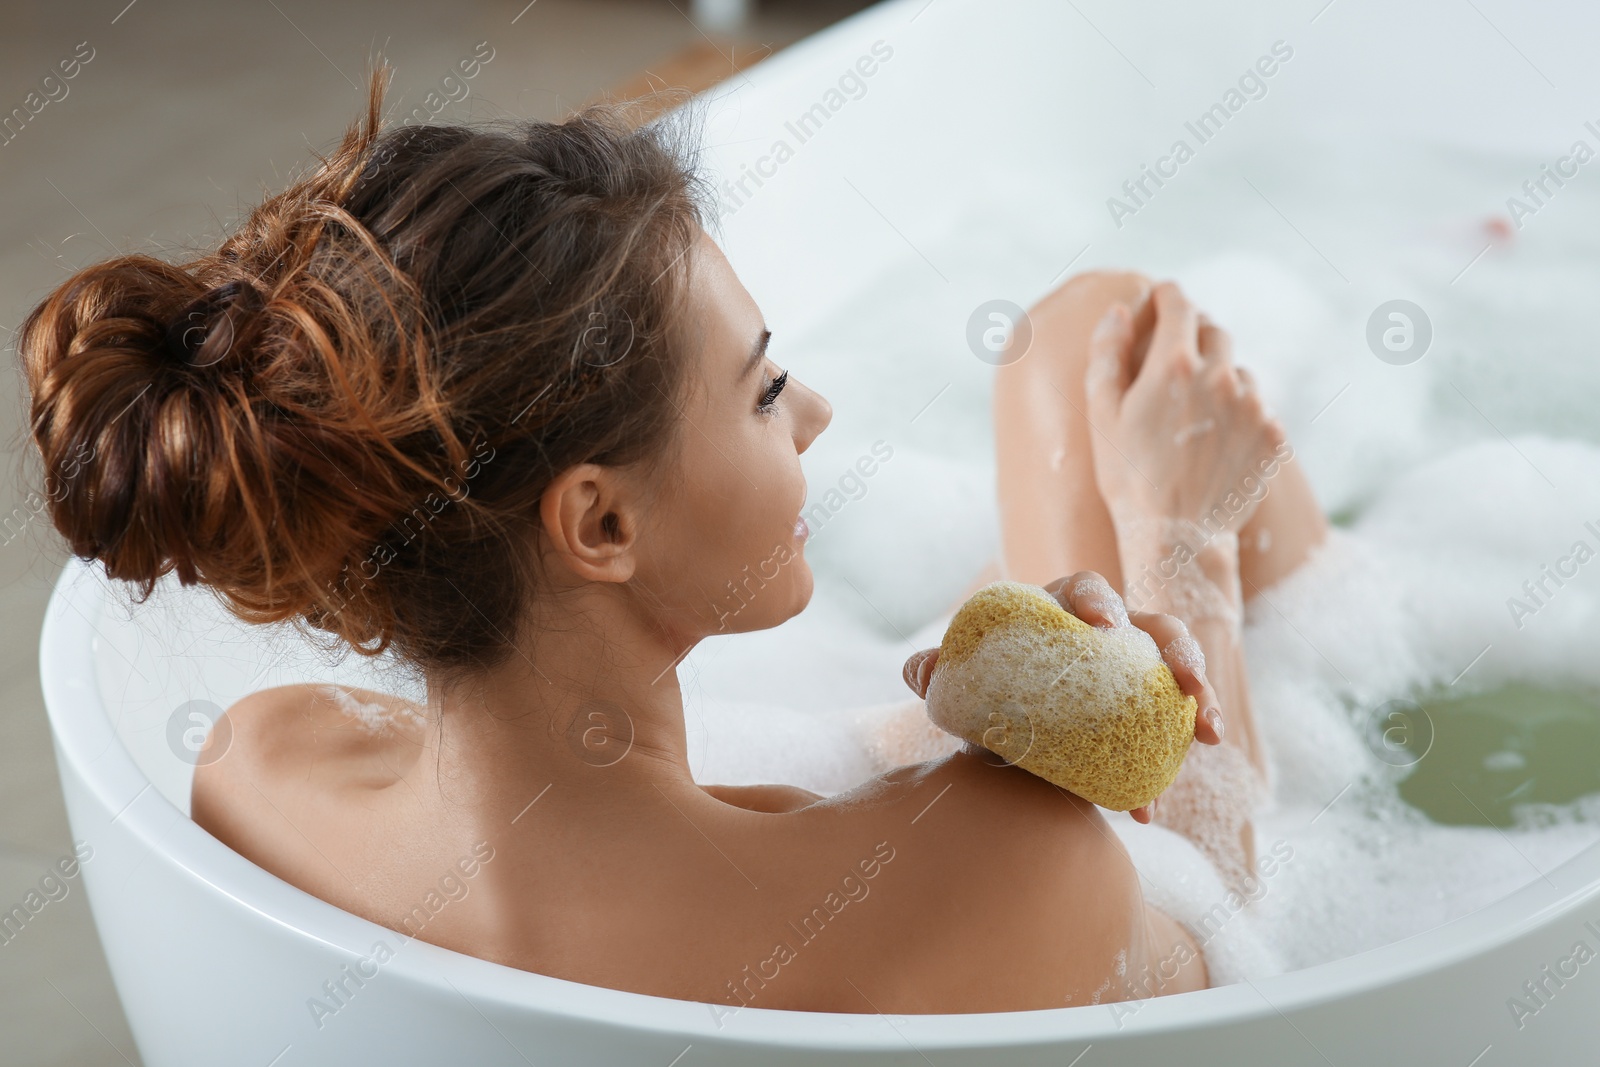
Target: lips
<point x="801" y="530"/>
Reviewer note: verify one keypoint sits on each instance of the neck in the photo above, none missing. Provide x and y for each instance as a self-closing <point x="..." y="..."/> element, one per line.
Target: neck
<point x="589" y="696"/>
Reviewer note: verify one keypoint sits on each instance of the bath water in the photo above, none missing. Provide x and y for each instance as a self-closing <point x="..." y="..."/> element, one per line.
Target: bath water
<point x="1478" y="757"/>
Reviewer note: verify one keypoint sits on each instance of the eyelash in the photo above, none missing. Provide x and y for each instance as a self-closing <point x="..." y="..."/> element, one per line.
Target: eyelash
<point x="770" y="397"/>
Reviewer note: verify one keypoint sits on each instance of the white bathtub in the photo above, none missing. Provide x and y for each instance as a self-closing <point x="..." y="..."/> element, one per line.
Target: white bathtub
<point x="958" y="189"/>
<point x="215" y="959"/>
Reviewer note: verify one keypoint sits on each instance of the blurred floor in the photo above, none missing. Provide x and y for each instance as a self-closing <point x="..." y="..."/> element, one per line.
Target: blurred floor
<point x="184" y="115"/>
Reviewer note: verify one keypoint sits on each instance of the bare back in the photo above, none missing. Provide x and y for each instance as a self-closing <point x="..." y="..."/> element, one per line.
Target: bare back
<point x="953" y="885"/>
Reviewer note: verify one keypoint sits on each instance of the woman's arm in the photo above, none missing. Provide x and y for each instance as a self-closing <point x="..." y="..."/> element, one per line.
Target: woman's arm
<point x="1215" y="793"/>
<point x="1007" y="893"/>
<point x="1183" y="437"/>
<point x="1204" y="592"/>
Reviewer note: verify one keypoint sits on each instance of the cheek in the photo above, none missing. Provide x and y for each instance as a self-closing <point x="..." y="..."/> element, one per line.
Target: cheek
<point x="739" y="489"/>
<point x="716" y="510"/>
<point x="735" y="541"/>
<point x="739" y="527"/>
<point x="709" y="526"/>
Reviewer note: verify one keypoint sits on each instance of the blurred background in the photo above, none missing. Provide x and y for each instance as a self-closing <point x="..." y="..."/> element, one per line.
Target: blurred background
<point x="178" y="118"/>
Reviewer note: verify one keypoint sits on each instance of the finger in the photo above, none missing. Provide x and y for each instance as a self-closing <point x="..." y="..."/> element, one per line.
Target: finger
<point x="1186" y="661"/>
<point x="1110" y="363"/>
<point x="1145" y="813"/>
<point x="1183" y="656"/>
<point x="1246" y="382"/>
<point x="1249" y="386"/>
<point x="1177" y="321"/>
<point x="1090" y="597"/>
<point x="1276" y="433"/>
<point x="919" y="669"/>
<point x="1215" y="344"/>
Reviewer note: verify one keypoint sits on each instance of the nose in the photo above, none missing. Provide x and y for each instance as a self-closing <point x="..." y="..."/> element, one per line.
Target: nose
<point x="818" y="414"/>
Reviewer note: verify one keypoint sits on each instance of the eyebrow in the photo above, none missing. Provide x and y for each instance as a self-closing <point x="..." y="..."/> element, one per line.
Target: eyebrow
<point x="756" y="354"/>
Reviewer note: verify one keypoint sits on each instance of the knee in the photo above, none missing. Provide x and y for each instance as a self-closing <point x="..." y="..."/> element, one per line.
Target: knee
<point x="1082" y="294"/>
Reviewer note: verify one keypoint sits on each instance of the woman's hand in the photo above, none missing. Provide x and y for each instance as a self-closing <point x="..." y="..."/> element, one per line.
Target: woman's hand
<point x="1090" y="597"/>
<point x="1180" y="430"/>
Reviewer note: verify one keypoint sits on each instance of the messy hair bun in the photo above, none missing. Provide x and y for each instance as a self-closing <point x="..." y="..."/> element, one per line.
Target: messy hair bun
<point x="346" y="414"/>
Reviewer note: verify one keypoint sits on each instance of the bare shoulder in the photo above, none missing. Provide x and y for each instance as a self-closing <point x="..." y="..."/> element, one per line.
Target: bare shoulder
<point x="289" y="722"/>
<point x="308" y="734"/>
<point x="1023" y="883"/>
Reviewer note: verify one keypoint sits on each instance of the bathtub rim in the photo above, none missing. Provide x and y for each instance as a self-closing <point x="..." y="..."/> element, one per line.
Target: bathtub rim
<point x="88" y="747"/>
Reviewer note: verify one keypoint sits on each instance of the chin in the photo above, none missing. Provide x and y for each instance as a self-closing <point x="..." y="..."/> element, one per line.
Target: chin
<point x="774" y="601"/>
<point x="788" y="597"/>
<point x="804" y="584"/>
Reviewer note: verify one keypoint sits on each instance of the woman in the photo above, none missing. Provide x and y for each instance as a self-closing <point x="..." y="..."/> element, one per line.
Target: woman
<point x="496" y="401"/>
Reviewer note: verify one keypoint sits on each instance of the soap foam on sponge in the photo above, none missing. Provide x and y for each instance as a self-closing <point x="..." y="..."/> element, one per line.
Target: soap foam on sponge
<point x="1093" y="710"/>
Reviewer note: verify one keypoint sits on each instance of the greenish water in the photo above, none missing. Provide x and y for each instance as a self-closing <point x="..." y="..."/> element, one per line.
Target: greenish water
<point x="1473" y="757"/>
<point x="1345" y="516"/>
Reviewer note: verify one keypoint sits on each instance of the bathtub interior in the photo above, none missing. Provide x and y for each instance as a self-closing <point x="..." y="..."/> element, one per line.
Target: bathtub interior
<point x="1375" y="166"/>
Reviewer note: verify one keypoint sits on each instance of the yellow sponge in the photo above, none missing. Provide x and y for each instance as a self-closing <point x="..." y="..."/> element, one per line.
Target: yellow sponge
<point x="1093" y="710"/>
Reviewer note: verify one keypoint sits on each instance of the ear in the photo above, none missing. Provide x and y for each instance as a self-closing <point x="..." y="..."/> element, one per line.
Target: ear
<point x="590" y="519"/>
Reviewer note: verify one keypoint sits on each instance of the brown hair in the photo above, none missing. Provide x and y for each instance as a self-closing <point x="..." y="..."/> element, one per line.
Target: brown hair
<point x="345" y="416"/>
